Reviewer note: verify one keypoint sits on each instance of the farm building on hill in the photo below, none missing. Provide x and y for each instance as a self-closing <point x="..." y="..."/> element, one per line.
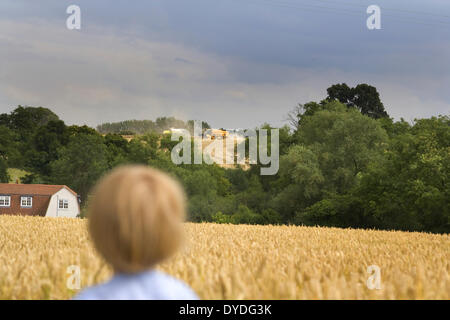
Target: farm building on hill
<point x="38" y="200"/>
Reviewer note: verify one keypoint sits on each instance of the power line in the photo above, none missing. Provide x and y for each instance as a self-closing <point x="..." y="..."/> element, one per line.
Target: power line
<point x="389" y="9"/>
<point x="353" y="11"/>
<point x="296" y="6"/>
<point x="316" y="8"/>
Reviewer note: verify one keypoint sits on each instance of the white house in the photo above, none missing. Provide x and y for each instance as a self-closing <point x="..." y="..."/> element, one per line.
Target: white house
<point x="38" y="200"/>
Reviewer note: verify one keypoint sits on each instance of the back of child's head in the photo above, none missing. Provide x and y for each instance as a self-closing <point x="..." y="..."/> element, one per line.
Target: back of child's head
<point x="136" y="217"/>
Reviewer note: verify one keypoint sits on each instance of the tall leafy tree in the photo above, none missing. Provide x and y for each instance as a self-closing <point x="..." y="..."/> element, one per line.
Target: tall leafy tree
<point x="336" y="146"/>
<point x="26" y="119"/>
<point x="344" y="141"/>
<point x="81" y="163"/>
<point x="45" y="143"/>
<point x="363" y="97"/>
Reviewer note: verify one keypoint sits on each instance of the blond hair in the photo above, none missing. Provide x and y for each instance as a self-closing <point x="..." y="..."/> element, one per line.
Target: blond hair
<point x="135" y="217"/>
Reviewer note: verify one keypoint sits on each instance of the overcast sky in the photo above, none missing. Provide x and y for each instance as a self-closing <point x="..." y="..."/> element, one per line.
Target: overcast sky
<point x="233" y="63"/>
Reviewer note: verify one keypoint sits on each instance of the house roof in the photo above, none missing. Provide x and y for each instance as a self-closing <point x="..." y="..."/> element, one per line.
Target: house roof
<point x="32" y="189"/>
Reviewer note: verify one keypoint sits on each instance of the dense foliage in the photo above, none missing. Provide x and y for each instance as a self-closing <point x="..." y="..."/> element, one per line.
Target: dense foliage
<point x="340" y="166"/>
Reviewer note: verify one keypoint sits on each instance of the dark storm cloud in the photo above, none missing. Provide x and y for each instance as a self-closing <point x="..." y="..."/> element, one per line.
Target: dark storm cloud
<point x="233" y="63"/>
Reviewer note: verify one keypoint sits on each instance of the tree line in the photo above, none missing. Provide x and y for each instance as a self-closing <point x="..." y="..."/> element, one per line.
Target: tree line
<point x="131" y="127"/>
<point x="343" y="162"/>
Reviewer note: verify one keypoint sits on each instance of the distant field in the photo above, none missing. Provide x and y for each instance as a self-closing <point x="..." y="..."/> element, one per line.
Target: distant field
<point x="236" y="262"/>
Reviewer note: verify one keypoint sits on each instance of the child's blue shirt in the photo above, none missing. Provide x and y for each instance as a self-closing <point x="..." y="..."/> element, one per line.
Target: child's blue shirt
<point x="149" y="285"/>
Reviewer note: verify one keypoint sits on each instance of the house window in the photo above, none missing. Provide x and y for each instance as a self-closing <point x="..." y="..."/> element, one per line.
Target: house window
<point x="5" y="201"/>
<point x="63" y="204"/>
<point x="26" y="202"/>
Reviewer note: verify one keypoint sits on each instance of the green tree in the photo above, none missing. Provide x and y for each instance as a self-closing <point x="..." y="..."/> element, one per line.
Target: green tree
<point x="25" y="120"/>
<point x="244" y="215"/>
<point x="74" y="130"/>
<point x="143" y="148"/>
<point x="9" y="147"/>
<point x="254" y="196"/>
<point x="81" y="163"/>
<point x="363" y="97"/>
<point x="344" y="142"/>
<point x="46" y="141"/>
<point x="336" y="146"/>
<point x="238" y="179"/>
<point x="410" y="188"/>
<point x="300" y="182"/>
<point x="4" y="176"/>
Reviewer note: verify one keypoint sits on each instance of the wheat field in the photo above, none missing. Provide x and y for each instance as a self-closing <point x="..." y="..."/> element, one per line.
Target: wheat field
<point x="236" y="262"/>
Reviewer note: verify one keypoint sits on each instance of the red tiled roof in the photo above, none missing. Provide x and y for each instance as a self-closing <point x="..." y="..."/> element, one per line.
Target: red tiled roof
<point x="32" y="189"/>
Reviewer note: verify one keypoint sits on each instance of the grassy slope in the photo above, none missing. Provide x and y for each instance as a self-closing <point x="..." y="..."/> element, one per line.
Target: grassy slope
<point x="15" y="174"/>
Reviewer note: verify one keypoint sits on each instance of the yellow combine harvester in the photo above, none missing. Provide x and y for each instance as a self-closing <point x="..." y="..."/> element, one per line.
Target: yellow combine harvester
<point x="173" y="130"/>
<point x="209" y="133"/>
<point x="213" y="133"/>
